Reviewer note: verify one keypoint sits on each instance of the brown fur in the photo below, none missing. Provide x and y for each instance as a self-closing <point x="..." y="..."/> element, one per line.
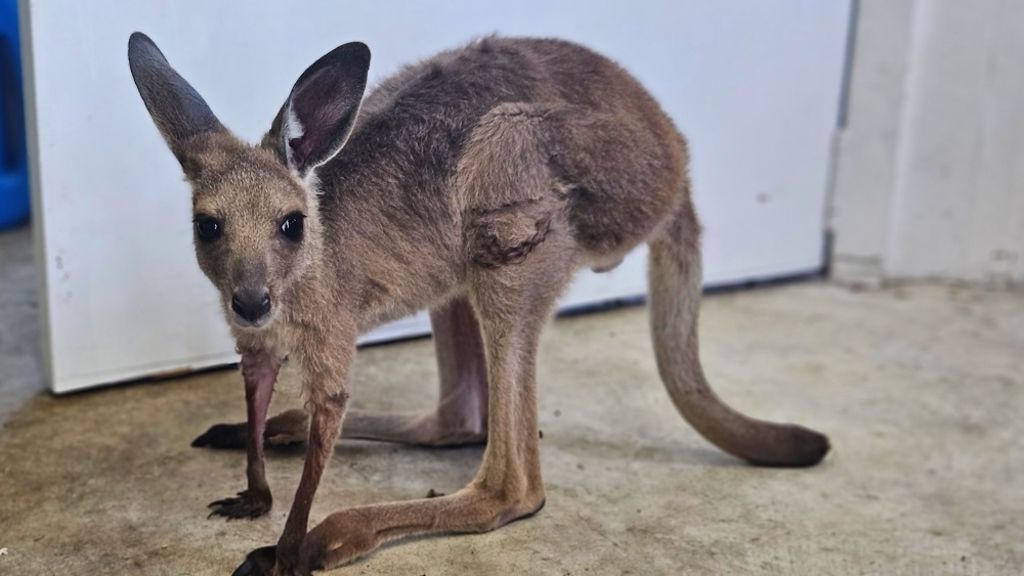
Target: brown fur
<point x="474" y="184"/>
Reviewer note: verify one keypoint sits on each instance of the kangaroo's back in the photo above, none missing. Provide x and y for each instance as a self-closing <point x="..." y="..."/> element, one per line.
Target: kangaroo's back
<point x="610" y="155"/>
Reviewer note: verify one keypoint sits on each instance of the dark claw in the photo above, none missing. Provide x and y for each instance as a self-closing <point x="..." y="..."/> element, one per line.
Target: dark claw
<point x="259" y="562"/>
<point x="242" y="506"/>
<point x="222" y="437"/>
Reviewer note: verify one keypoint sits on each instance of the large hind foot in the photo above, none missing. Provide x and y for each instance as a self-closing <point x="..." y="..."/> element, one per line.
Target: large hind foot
<point x="439" y="428"/>
<point x="351" y="534"/>
<point x="418" y="429"/>
<point x="285" y="429"/>
<point x="222" y="437"/>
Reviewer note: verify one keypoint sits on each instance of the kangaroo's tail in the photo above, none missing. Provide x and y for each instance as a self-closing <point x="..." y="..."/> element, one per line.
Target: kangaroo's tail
<point x="675" y="290"/>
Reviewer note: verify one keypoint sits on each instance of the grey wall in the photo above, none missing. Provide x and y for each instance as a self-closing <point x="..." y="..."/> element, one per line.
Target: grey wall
<point x="930" y="168"/>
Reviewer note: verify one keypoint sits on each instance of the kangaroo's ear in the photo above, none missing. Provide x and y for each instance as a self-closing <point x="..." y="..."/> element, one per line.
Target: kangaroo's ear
<point x="179" y="112"/>
<point x="321" y="110"/>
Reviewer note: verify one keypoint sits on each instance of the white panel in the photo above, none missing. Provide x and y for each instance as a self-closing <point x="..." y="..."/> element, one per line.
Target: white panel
<point x="930" y="178"/>
<point x="755" y="86"/>
<point x="866" y="166"/>
<point x="958" y="207"/>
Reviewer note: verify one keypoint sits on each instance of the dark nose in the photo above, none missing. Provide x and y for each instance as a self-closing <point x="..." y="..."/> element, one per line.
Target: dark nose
<point x="251" y="305"/>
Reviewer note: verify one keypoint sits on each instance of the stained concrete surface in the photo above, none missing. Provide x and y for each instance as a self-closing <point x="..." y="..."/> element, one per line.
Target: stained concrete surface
<point x="921" y="389"/>
<point x="20" y="369"/>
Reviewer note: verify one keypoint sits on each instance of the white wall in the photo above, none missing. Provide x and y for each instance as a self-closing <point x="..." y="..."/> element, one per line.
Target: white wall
<point x="755" y="86"/>
<point x="930" y="175"/>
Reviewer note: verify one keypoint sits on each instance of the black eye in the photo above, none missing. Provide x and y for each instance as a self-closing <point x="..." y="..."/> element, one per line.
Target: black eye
<point x="207" y="228"/>
<point x="291" y="226"/>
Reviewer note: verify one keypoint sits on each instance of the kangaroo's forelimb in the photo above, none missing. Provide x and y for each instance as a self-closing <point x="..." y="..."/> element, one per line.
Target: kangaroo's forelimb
<point x="259" y="371"/>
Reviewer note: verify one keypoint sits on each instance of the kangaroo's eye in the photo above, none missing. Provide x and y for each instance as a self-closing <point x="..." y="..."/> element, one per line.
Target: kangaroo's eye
<point x="291" y="226"/>
<point x="207" y="228"/>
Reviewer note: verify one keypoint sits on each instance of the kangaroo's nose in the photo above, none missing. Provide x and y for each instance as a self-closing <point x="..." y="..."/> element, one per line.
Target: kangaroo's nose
<point x="251" y="305"/>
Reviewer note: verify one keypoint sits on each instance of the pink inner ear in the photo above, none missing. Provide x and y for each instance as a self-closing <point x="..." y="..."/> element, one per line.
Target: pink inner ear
<point x="324" y="104"/>
<point x="297" y="157"/>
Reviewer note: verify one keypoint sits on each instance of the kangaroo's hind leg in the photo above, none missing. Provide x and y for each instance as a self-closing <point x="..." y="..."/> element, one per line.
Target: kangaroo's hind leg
<point x="508" y="485"/>
<point x="460" y="416"/>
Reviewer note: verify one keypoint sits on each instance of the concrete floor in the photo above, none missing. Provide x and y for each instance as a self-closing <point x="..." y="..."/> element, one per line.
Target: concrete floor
<point x="20" y="369"/>
<point x="921" y="389"/>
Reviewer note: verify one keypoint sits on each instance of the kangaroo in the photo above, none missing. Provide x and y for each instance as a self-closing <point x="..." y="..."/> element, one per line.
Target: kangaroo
<point x="474" y="184"/>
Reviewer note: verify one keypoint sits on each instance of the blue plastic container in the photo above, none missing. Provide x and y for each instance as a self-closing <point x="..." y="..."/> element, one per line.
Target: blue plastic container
<point x="13" y="171"/>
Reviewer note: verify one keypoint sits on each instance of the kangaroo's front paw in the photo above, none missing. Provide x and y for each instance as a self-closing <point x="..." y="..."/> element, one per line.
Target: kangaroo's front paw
<point x="247" y="504"/>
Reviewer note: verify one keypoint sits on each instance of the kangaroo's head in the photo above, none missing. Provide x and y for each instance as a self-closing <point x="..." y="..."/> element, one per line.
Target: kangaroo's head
<point x="256" y="225"/>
